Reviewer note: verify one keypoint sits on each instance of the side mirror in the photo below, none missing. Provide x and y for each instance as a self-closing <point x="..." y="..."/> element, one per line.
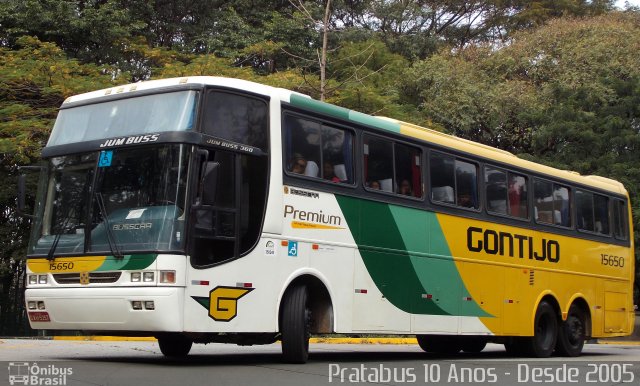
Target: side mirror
<point x="22" y="191"/>
<point x="21" y="194"/>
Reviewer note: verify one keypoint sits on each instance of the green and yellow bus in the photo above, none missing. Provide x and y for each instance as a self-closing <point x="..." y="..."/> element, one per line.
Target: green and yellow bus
<point x="208" y="209"/>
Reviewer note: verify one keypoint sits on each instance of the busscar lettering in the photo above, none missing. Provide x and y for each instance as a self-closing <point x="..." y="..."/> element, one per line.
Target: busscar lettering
<point x="132" y="226"/>
<point x="507" y="244"/>
<point x="316" y="217"/>
<point x="136" y="139"/>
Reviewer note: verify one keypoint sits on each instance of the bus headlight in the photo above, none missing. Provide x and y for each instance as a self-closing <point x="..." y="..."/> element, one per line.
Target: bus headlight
<point x="33" y="279"/>
<point x="147" y="277"/>
<point x="42" y="279"/>
<point x="135" y="277"/>
<point x="168" y="277"/>
<point x="41" y="305"/>
<point x="31" y="305"/>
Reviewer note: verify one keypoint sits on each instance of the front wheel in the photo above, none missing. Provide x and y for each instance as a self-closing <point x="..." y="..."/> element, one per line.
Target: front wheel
<point x="545" y="332"/>
<point x="174" y="345"/>
<point x="571" y="334"/>
<point x="294" y="326"/>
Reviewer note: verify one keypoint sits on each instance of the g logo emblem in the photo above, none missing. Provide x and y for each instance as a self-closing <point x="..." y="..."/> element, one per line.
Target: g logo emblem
<point x="223" y="302"/>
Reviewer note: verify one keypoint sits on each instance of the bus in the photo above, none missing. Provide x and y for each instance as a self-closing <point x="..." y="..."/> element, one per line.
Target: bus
<point x="208" y="209"/>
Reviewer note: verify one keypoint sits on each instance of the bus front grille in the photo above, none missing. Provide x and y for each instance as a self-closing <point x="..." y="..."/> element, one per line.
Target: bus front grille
<point x="94" y="277"/>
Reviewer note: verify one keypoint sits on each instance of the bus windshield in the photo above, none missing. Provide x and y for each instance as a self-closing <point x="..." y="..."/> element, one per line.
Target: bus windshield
<point x="174" y="111"/>
<point x="120" y="200"/>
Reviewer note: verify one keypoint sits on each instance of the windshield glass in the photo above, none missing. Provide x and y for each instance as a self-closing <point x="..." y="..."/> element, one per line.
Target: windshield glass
<point x="143" y="190"/>
<point x="174" y="111"/>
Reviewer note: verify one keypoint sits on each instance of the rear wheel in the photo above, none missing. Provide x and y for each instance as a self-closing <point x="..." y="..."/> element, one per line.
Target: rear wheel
<point x="545" y="332"/>
<point x="439" y="344"/>
<point x="294" y="327"/>
<point x="174" y="345"/>
<point x="571" y="333"/>
<point x="473" y="345"/>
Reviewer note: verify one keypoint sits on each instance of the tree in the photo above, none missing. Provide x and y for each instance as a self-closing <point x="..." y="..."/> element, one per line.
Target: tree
<point x="35" y="78"/>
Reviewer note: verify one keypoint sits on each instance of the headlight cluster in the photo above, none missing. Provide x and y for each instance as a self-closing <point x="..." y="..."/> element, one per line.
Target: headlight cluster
<point x="165" y="277"/>
<point x="38" y="279"/>
<point x="139" y="304"/>
<point x="33" y="305"/>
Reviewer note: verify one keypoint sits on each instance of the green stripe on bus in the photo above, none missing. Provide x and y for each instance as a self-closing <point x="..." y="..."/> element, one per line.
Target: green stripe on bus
<point x="407" y="256"/>
<point x="374" y="121"/>
<point x="320" y="107"/>
<point x="140" y="261"/>
<point x="342" y="113"/>
<point x="383" y="252"/>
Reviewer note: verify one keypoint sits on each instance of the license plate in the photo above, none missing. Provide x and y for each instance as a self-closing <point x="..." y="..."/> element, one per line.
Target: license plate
<point x="39" y="317"/>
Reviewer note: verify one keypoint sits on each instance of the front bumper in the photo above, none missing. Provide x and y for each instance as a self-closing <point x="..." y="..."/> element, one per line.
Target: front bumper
<point x="108" y="309"/>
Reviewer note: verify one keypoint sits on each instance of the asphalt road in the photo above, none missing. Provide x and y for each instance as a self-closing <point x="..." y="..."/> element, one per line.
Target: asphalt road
<point x="141" y="363"/>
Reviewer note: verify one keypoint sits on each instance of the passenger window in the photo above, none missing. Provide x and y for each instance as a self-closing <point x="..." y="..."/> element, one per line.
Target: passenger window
<point x="318" y="151"/>
<point x="392" y="167"/>
<point x="408" y="170"/>
<point x="592" y="212"/>
<point x="620" y="227"/>
<point x="506" y="193"/>
<point x="601" y="214"/>
<point x="551" y="203"/>
<point x="453" y="181"/>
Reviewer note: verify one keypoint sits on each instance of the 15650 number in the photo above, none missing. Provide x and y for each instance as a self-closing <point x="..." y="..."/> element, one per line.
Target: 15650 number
<point x="60" y="266"/>
<point x="612" y="261"/>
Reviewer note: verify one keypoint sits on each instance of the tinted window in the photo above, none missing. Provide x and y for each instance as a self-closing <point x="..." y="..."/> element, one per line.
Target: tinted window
<point x="453" y="181"/>
<point x="552" y="203"/>
<point x="620" y="227"/>
<point x="506" y="193"/>
<point x="237" y="118"/>
<point x="392" y="167"/>
<point x="592" y="212"/>
<point x="319" y="151"/>
<point x="378" y="164"/>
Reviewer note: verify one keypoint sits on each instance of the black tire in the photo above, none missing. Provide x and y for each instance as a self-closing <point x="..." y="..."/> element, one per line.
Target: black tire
<point x="514" y="347"/>
<point x="473" y="345"/>
<point x="294" y="327"/>
<point x="571" y="334"/>
<point x="545" y="333"/>
<point x="174" y="345"/>
<point x="439" y="344"/>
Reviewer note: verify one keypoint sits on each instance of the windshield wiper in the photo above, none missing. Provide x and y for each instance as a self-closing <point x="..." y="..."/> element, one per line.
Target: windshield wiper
<point x="113" y="245"/>
<point x="56" y="238"/>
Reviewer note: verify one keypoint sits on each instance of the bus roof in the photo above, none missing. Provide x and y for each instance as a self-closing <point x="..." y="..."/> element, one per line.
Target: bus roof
<point x="382" y="123"/>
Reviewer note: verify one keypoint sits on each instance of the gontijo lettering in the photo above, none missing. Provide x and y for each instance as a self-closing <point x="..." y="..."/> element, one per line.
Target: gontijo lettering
<point x="503" y="243"/>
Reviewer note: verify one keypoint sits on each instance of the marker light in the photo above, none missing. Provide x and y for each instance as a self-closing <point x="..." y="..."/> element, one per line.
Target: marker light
<point x="31" y="305"/>
<point x="135" y="276"/>
<point x="167" y="276"/>
<point x="136" y="305"/>
<point x="33" y="279"/>
<point x="42" y="279"/>
<point x="147" y="277"/>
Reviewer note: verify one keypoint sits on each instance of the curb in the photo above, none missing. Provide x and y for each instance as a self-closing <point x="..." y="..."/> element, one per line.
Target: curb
<point x="312" y="340"/>
<point x="390" y="341"/>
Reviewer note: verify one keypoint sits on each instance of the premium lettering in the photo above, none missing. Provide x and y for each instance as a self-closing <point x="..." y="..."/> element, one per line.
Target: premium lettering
<point x="316" y="217"/>
<point x="512" y="245"/>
